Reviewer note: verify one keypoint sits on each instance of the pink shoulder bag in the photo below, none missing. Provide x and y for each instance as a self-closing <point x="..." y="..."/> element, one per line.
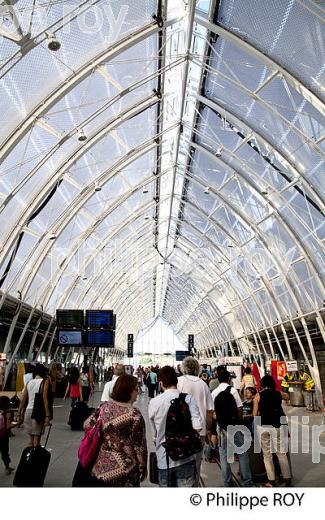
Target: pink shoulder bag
<point x="90" y="444"/>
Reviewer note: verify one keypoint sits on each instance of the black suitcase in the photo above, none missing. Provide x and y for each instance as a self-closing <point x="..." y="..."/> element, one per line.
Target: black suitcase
<point x="153" y="468"/>
<point x="256" y="463"/>
<point x="78" y="415"/>
<point x="33" y="466"/>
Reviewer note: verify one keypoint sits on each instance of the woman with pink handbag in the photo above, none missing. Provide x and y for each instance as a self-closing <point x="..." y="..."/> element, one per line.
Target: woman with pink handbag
<point x="113" y="452"/>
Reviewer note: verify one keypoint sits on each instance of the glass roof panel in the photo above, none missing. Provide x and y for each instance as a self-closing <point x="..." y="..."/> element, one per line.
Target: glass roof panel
<point x="169" y="169"/>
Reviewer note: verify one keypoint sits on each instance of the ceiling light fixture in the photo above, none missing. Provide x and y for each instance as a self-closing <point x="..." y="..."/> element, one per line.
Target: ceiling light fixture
<point x="97" y="187"/>
<point x="81" y="135"/>
<point x="52" y="236"/>
<point x="207" y="189"/>
<point x="145" y="189"/>
<point x="53" y="43"/>
<point x="218" y="152"/>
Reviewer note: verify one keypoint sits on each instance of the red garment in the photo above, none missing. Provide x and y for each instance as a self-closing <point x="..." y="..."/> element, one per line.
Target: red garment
<point x="256" y="375"/>
<point x="74" y="390"/>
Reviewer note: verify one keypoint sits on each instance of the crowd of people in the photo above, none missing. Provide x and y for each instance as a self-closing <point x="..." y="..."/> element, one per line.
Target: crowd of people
<point x="190" y="411"/>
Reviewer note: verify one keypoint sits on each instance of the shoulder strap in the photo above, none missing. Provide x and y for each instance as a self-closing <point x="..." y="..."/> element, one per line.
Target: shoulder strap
<point x="41" y="387"/>
<point x="182" y="396"/>
<point x="228" y="389"/>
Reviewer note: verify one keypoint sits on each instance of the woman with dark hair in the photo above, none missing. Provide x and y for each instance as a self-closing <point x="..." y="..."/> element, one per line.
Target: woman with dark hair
<point x="39" y="384"/>
<point x="87" y="380"/>
<point x="272" y="429"/>
<point x="74" y="388"/>
<point x="122" y="457"/>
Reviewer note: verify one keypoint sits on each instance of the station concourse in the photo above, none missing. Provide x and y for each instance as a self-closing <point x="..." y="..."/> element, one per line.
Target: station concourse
<point x="162" y="194"/>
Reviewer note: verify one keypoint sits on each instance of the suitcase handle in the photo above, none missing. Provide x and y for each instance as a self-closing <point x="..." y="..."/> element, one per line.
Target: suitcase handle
<point x="48" y="434"/>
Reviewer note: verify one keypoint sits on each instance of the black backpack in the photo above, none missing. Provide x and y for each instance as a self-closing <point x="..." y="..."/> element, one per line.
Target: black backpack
<point x="182" y="440"/>
<point x="226" y="409"/>
<point x="14" y="402"/>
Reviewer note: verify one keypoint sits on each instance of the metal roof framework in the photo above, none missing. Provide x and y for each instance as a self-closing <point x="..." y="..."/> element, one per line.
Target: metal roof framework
<point x="173" y="165"/>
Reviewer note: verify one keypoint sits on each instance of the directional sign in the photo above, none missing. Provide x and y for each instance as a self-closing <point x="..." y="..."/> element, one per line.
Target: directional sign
<point x="130" y="345"/>
<point x="191" y="344"/>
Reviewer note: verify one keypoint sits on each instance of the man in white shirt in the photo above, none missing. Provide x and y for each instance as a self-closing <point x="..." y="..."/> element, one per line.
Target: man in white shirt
<point x="190" y="383"/>
<point x="181" y="473"/>
<point x="108" y="388"/>
<point x="223" y="385"/>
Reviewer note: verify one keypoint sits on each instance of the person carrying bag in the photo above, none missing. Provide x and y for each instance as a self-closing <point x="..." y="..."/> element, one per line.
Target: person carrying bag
<point x="35" y="407"/>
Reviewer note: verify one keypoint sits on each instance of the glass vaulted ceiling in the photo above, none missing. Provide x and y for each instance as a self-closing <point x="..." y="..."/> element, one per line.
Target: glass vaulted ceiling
<point x="167" y="160"/>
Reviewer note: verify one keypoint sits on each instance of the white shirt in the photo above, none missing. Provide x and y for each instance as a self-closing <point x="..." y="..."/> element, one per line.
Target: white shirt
<point x="158" y="409"/>
<point x="233" y="391"/>
<point x="27" y="377"/>
<point x="108" y="389"/>
<point x="199" y="390"/>
<point x="33" y="387"/>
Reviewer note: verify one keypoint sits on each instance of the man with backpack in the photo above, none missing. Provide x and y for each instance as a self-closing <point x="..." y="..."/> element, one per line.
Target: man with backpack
<point x="191" y="383"/>
<point x="175" y="423"/>
<point x="228" y="409"/>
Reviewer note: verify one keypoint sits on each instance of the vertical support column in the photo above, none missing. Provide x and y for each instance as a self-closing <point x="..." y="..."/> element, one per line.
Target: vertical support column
<point x="50" y="347"/>
<point x="284" y="332"/>
<point x="12" y="328"/>
<point x="32" y="343"/>
<point x="314" y="368"/>
<point x="262" y="345"/>
<point x="278" y="342"/>
<point x="270" y="343"/>
<point x="8" y="368"/>
<point x="44" y="340"/>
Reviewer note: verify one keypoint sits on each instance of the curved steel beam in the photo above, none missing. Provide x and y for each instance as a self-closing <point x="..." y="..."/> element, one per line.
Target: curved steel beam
<point x="242" y="217"/>
<point x="46" y="188"/>
<point x="87" y="193"/>
<point x="287" y="226"/>
<point x="305" y="139"/>
<point x="97" y="221"/>
<point x="286" y="279"/>
<point x="250" y="291"/>
<point x="269" y="62"/>
<point x="26" y="43"/>
<point x="85" y="122"/>
<point x="68" y="84"/>
<point x="87" y="287"/>
<point x="236" y="121"/>
<point x="214" y="288"/>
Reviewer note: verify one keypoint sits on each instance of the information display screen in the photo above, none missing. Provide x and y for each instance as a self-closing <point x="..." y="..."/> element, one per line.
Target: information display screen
<point x="181" y="354"/>
<point x="69" y="319"/>
<point x="69" y="337"/>
<point x="100" y="338"/>
<point x="101" y="319"/>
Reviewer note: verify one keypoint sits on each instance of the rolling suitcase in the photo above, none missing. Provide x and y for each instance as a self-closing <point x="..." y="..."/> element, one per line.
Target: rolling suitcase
<point x="78" y="415"/>
<point x="33" y="466"/>
<point x="256" y="463"/>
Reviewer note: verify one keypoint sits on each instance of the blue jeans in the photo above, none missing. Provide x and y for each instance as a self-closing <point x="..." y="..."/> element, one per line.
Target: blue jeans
<point x="245" y="471"/>
<point x="181" y="476"/>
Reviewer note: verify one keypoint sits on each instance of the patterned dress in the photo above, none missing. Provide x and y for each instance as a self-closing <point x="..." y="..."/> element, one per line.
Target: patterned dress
<point x="123" y="452"/>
